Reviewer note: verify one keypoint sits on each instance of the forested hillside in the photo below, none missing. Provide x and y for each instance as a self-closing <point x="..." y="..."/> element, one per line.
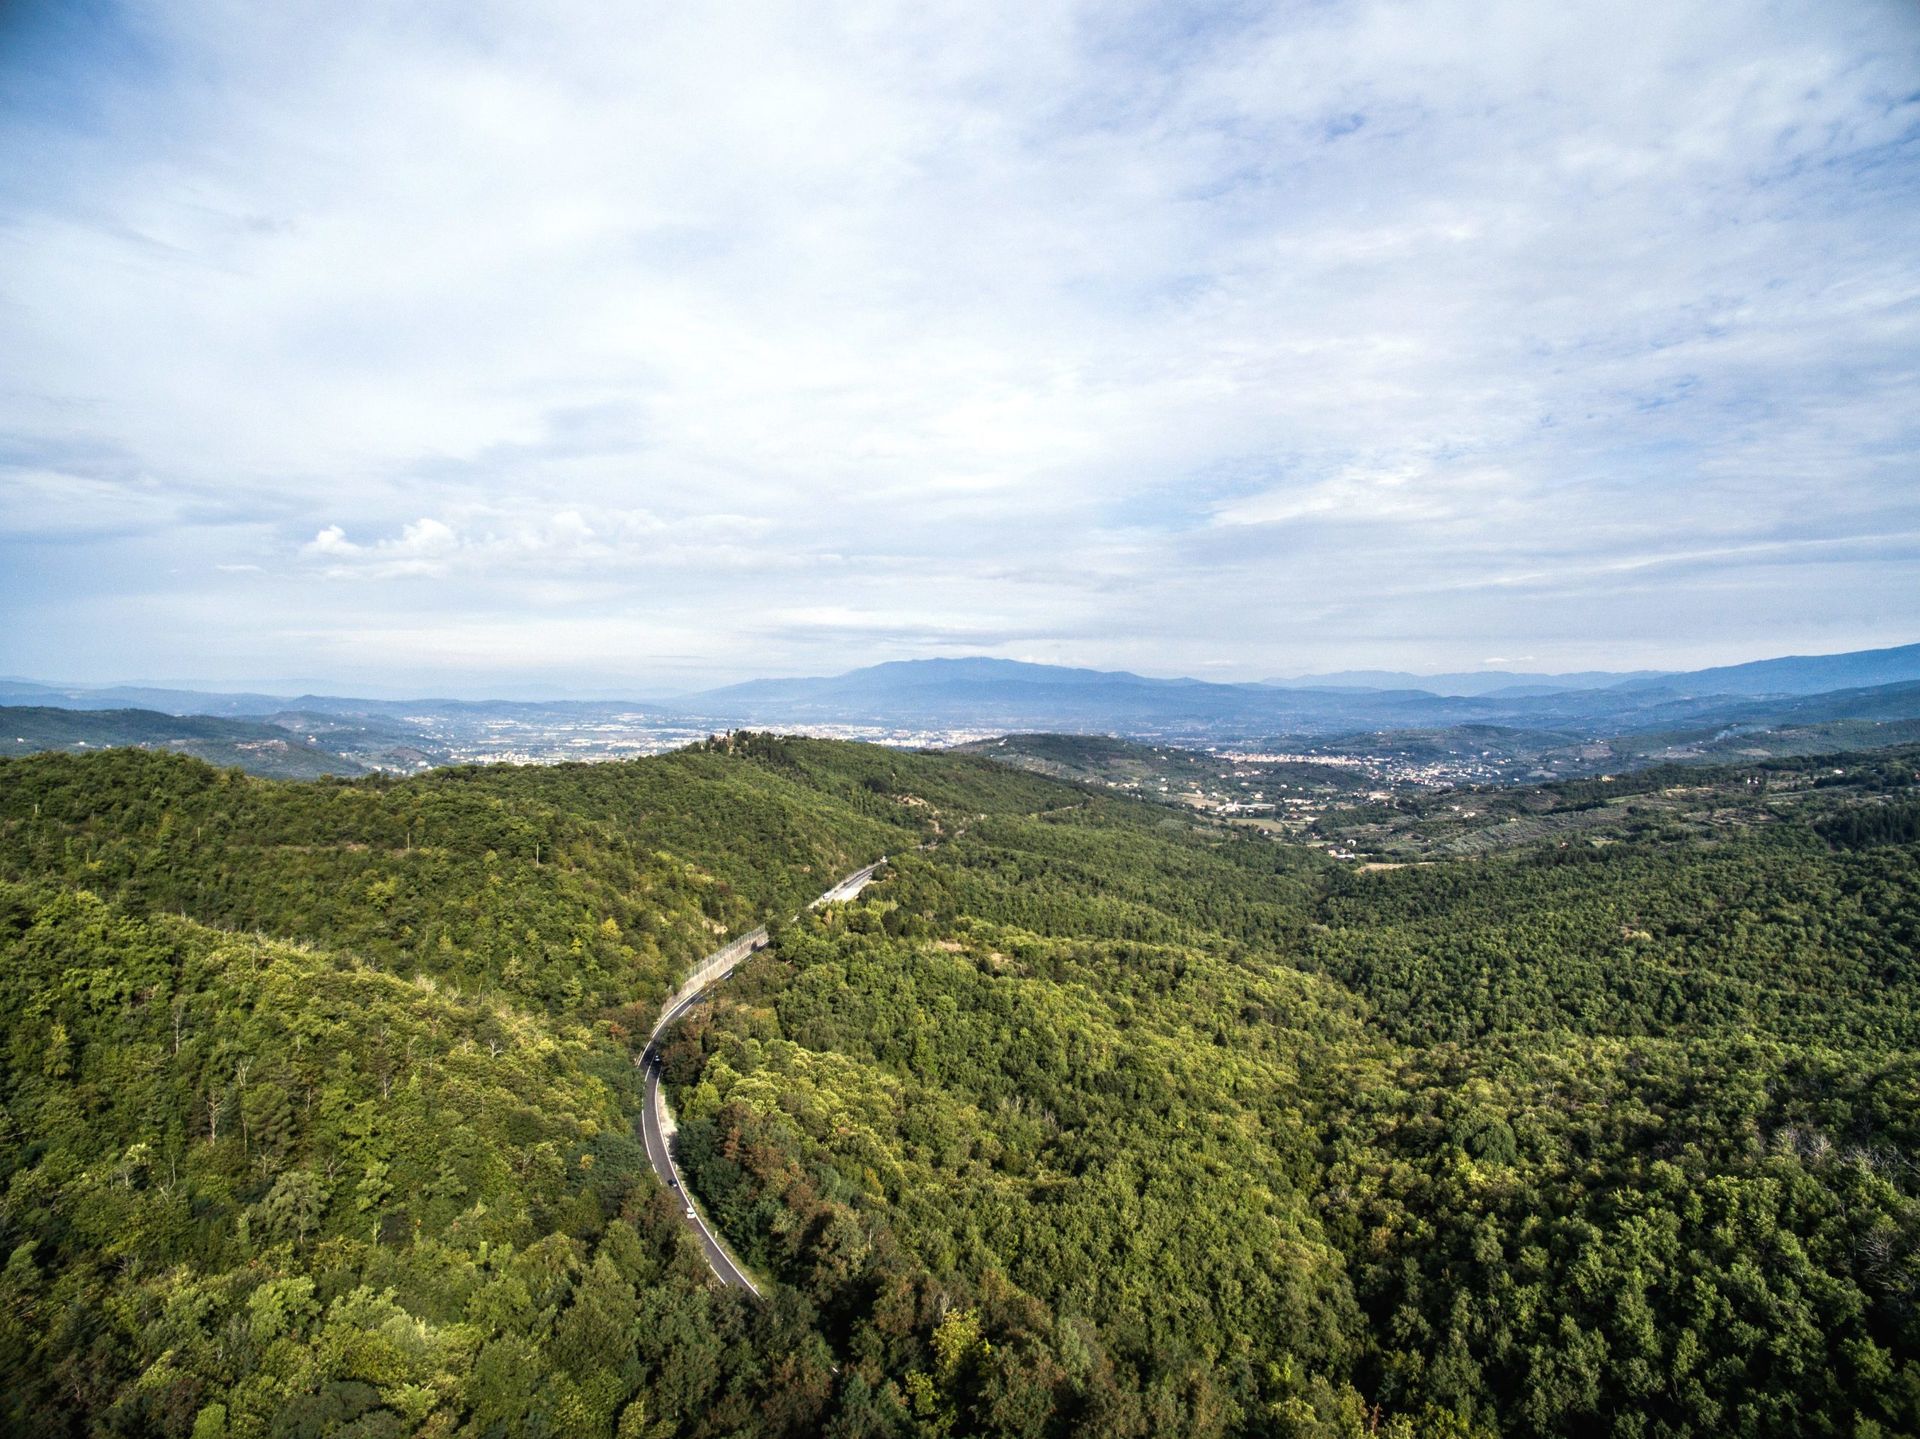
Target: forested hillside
<point x="1089" y="1118"/>
<point x="259" y="747"/>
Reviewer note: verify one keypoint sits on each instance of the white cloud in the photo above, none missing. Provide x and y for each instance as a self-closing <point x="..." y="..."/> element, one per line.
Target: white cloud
<point x="502" y="543"/>
<point x="1036" y="321"/>
<point x="333" y="541"/>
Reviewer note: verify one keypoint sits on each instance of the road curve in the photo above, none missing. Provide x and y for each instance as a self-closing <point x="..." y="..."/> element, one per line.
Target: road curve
<point x="654" y="1117"/>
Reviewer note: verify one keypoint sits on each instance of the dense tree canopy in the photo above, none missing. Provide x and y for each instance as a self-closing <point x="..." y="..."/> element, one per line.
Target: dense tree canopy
<point x="1089" y="1117"/>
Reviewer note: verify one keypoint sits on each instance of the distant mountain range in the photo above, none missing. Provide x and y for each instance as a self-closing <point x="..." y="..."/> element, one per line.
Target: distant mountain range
<point x="988" y="693"/>
<point x="1007" y="695"/>
<point x="1475" y="682"/>
<point x="140" y="697"/>
<point x="16" y="691"/>
<point x="1795" y="674"/>
<point x="1789" y="675"/>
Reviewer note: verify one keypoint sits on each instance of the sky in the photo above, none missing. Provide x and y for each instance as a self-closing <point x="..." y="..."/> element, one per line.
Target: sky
<point x="486" y="348"/>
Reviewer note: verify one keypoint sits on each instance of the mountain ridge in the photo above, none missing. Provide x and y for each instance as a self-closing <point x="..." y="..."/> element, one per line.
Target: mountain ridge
<point x="1464" y="682"/>
<point x="993" y="693"/>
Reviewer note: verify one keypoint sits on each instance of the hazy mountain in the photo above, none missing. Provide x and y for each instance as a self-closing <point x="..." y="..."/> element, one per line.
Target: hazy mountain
<point x="941" y="682"/>
<point x="15" y="692"/>
<point x="1003" y="694"/>
<point x="1868" y="702"/>
<point x="1476" y="682"/>
<point x="1797" y="674"/>
<point x="1791" y="674"/>
<point x="1009" y="695"/>
<point x="139" y="697"/>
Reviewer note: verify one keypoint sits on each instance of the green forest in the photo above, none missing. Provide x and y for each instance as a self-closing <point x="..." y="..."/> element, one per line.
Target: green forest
<point x="1583" y="1110"/>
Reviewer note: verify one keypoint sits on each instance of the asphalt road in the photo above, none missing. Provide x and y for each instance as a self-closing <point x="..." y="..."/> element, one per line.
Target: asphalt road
<point x="710" y="971"/>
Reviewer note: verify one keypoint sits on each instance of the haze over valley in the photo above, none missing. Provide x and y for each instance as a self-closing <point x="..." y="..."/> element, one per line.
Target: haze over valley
<point x="1533" y="726"/>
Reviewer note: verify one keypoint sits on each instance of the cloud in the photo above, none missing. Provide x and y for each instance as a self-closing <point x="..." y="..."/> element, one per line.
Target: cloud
<point x="1391" y="492"/>
<point x="506" y="544"/>
<point x="903" y="631"/>
<point x="424" y="547"/>
<point x="1066" y="326"/>
<point x="333" y="541"/>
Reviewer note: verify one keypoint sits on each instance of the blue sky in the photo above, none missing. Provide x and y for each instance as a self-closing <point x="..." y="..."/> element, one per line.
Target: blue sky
<point x="484" y="347"/>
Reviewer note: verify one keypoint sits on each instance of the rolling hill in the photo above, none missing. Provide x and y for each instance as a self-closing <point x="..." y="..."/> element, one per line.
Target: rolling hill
<point x="1089" y="1117"/>
<point x="258" y="748"/>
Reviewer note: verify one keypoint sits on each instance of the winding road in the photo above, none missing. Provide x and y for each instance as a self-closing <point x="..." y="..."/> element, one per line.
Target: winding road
<point x="656" y="1124"/>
